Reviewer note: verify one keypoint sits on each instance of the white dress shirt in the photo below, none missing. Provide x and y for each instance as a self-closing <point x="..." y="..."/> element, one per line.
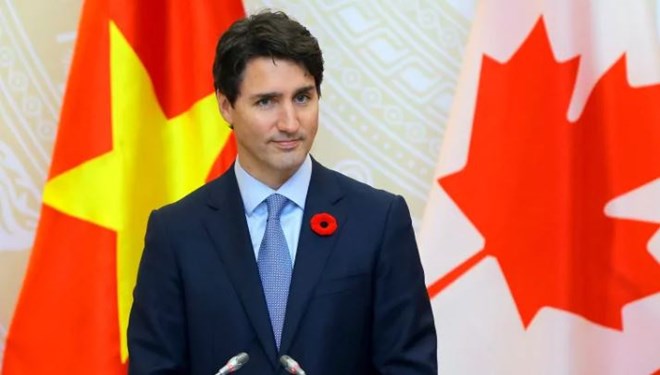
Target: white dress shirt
<point x="254" y="194"/>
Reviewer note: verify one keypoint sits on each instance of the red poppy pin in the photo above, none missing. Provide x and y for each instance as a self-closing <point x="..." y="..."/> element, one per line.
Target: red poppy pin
<point x="323" y="224"/>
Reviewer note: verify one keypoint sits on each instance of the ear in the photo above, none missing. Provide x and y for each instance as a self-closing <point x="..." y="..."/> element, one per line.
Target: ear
<point x="225" y="107"/>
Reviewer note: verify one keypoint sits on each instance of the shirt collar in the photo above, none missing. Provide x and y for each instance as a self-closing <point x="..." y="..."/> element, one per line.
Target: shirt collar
<point x="254" y="191"/>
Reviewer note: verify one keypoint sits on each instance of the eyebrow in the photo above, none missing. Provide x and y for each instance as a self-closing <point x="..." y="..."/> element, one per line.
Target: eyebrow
<point x="275" y="94"/>
<point x="306" y="89"/>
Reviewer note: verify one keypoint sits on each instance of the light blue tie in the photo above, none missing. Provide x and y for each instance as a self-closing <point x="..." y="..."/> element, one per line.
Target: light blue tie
<point x="275" y="265"/>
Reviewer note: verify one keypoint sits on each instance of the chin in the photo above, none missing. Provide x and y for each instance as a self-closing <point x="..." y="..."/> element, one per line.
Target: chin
<point x="290" y="163"/>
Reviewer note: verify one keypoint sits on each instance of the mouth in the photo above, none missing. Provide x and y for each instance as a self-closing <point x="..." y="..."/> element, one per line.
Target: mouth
<point x="287" y="144"/>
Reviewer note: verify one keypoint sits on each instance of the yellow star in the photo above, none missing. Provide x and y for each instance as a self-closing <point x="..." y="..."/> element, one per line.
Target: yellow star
<point x="154" y="161"/>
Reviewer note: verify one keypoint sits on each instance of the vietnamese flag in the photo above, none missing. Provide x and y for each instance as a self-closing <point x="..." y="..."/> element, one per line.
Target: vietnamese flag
<point x="541" y="239"/>
<point x="139" y="128"/>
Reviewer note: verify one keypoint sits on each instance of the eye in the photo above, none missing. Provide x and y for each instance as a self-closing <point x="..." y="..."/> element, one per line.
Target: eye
<point x="301" y="98"/>
<point x="264" y="102"/>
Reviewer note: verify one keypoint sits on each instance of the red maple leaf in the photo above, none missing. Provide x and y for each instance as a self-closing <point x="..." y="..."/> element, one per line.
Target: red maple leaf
<point x="535" y="185"/>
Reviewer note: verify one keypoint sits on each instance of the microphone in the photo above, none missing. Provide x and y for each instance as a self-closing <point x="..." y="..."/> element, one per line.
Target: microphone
<point x="291" y="366"/>
<point x="234" y="364"/>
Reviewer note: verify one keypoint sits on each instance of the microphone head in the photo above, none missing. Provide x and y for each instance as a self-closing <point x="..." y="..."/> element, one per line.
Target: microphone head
<point x="290" y="365"/>
<point x="241" y="359"/>
<point x="285" y="360"/>
<point x="234" y="364"/>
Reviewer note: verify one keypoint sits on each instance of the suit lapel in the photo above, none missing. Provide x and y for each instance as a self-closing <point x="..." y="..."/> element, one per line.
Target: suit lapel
<point x="228" y="229"/>
<point x="323" y="195"/>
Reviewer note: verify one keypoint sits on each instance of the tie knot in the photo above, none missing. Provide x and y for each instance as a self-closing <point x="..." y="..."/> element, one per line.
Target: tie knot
<point x="275" y="203"/>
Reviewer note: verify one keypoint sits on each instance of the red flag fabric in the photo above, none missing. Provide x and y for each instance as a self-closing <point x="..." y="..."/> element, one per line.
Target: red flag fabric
<point x="541" y="237"/>
<point x="139" y="128"/>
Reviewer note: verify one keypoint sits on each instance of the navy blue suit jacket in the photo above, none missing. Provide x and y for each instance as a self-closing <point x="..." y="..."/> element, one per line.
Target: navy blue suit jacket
<point x="357" y="302"/>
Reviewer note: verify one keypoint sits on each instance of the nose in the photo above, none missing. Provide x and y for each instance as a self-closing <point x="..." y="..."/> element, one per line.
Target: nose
<point x="288" y="119"/>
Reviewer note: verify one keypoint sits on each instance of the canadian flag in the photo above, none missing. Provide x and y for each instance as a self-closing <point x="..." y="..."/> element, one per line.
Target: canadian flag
<point x="541" y="238"/>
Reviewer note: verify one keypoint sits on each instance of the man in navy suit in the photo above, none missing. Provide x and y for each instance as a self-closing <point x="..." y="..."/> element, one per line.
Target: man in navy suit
<point x="333" y="279"/>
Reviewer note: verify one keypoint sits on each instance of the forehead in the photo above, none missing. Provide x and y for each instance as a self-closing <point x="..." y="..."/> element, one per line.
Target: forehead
<point x="279" y="75"/>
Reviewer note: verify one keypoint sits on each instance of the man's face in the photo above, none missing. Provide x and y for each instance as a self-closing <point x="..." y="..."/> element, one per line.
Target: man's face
<point x="275" y="118"/>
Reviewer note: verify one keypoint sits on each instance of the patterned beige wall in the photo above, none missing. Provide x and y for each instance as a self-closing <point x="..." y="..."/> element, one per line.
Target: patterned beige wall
<point x="390" y="76"/>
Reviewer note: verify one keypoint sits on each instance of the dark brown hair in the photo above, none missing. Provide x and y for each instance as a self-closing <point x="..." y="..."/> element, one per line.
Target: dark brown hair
<point x="265" y="34"/>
